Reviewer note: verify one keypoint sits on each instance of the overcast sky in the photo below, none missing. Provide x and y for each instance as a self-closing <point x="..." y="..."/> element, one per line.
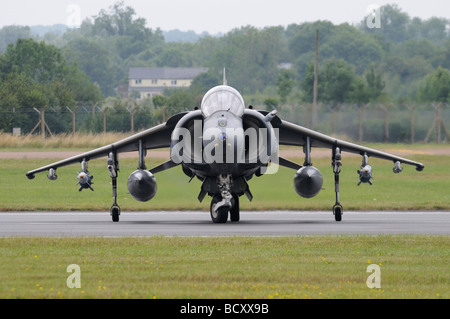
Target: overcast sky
<point x="212" y="15"/>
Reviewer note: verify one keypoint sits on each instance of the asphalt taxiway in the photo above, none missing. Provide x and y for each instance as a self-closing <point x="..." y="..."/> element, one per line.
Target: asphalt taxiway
<point x="272" y="223"/>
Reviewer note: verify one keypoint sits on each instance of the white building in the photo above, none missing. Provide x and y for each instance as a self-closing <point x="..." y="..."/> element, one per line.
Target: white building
<point x="149" y="82"/>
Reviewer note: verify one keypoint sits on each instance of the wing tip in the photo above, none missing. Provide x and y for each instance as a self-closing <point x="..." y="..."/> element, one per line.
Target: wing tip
<point x="30" y="175"/>
<point x="420" y="167"/>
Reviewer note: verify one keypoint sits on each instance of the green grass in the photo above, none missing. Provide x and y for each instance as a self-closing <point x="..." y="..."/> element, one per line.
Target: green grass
<point x="227" y="267"/>
<point x="232" y="267"/>
<point x="410" y="190"/>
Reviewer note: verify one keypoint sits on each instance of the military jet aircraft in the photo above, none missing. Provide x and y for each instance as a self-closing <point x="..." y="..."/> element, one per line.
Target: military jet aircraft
<point x="224" y="144"/>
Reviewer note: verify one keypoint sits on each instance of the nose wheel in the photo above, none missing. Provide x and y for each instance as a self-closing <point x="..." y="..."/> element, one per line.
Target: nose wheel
<point x="219" y="215"/>
<point x="220" y="209"/>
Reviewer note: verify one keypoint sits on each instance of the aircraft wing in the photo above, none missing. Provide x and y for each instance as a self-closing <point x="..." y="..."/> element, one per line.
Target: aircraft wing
<point x="292" y="134"/>
<point x="153" y="138"/>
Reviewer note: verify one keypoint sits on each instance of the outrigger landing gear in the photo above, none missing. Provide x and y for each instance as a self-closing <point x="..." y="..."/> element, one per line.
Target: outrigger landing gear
<point x="113" y="168"/>
<point x="115" y="213"/>
<point x="338" y="210"/>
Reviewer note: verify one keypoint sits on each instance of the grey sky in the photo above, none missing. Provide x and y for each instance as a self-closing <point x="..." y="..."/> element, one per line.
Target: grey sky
<point x="211" y="15"/>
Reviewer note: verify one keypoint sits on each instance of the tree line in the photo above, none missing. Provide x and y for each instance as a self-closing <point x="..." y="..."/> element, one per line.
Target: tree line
<point x="406" y="60"/>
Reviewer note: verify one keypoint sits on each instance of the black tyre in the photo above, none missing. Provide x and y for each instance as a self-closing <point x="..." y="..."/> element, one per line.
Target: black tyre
<point x="234" y="212"/>
<point x="115" y="213"/>
<point x="221" y="216"/>
<point x="338" y="211"/>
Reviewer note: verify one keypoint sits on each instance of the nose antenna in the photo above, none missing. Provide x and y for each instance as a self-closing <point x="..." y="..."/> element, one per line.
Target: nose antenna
<point x="225" y="82"/>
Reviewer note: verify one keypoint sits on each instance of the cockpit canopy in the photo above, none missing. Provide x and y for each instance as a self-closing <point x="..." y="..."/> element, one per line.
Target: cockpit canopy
<point x="223" y="98"/>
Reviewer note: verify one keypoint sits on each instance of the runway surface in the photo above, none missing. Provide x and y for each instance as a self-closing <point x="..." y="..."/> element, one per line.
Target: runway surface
<point x="273" y="223"/>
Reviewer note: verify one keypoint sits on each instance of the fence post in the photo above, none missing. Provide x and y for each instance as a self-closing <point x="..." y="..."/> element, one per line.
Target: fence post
<point x="104" y="120"/>
<point x="437" y="124"/>
<point x="41" y="122"/>
<point x="73" y="118"/>
<point x="411" y="122"/>
<point x="385" y="109"/>
<point x="361" y="111"/>
<point x="131" y="111"/>
<point x="74" y="114"/>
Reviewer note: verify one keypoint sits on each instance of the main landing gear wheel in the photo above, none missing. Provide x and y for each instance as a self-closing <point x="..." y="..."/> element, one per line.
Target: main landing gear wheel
<point x="115" y="213"/>
<point x="221" y="215"/>
<point x="234" y="212"/>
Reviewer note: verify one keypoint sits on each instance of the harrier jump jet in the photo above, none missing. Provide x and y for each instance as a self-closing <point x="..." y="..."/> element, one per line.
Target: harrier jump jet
<point x="224" y="144"/>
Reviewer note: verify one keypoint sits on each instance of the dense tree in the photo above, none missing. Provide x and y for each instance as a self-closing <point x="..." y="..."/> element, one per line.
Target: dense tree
<point x="250" y="57"/>
<point x="130" y="34"/>
<point x="353" y="46"/>
<point x="436" y="86"/>
<point x="375" y="84"/>
<point x="434" y="29"/>
<point x="35" y="75"/>
<point x="205" y="81"/>
<point x="307" y="83"/>
<point x="174" y="55"/>
<point x="81" y="87"/>
<point x="119" y="20"/>
<point x="398" y="62"/>
<point x="18" y="90"/>
<point x="41" y="62"/>
<point x="285" y="83"/>
<point x="161" y="108"/>
<point x="181" y="100"/>
<point x="91" y="58"/>
<point x="302" y="38"/>
<point x="360" y="92"/>
<point x="442" y="57"/>
<point x="397" y="26"/>
<point x="271" y="103"/>
<point x="336" y="82"/>
<point x="19" y="95"/>
<point x="393" y="24"/>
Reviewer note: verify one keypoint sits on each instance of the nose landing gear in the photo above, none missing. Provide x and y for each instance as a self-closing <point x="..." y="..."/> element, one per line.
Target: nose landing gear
<point x="219" y="209"/>
<point x="225" y="202"/>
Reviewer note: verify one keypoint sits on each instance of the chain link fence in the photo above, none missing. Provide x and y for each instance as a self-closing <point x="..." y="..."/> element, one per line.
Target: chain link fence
<point x="377" y="123"/>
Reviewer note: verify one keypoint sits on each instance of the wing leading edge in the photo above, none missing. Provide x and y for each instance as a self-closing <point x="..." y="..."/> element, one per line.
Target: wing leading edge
<point x="292" y="134"/>
<point x="153" y="138"/>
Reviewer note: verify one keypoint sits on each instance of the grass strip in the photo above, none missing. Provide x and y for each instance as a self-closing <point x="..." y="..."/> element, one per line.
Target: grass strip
<point x="226" y="267"/>
<point x="410" y="190"/>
